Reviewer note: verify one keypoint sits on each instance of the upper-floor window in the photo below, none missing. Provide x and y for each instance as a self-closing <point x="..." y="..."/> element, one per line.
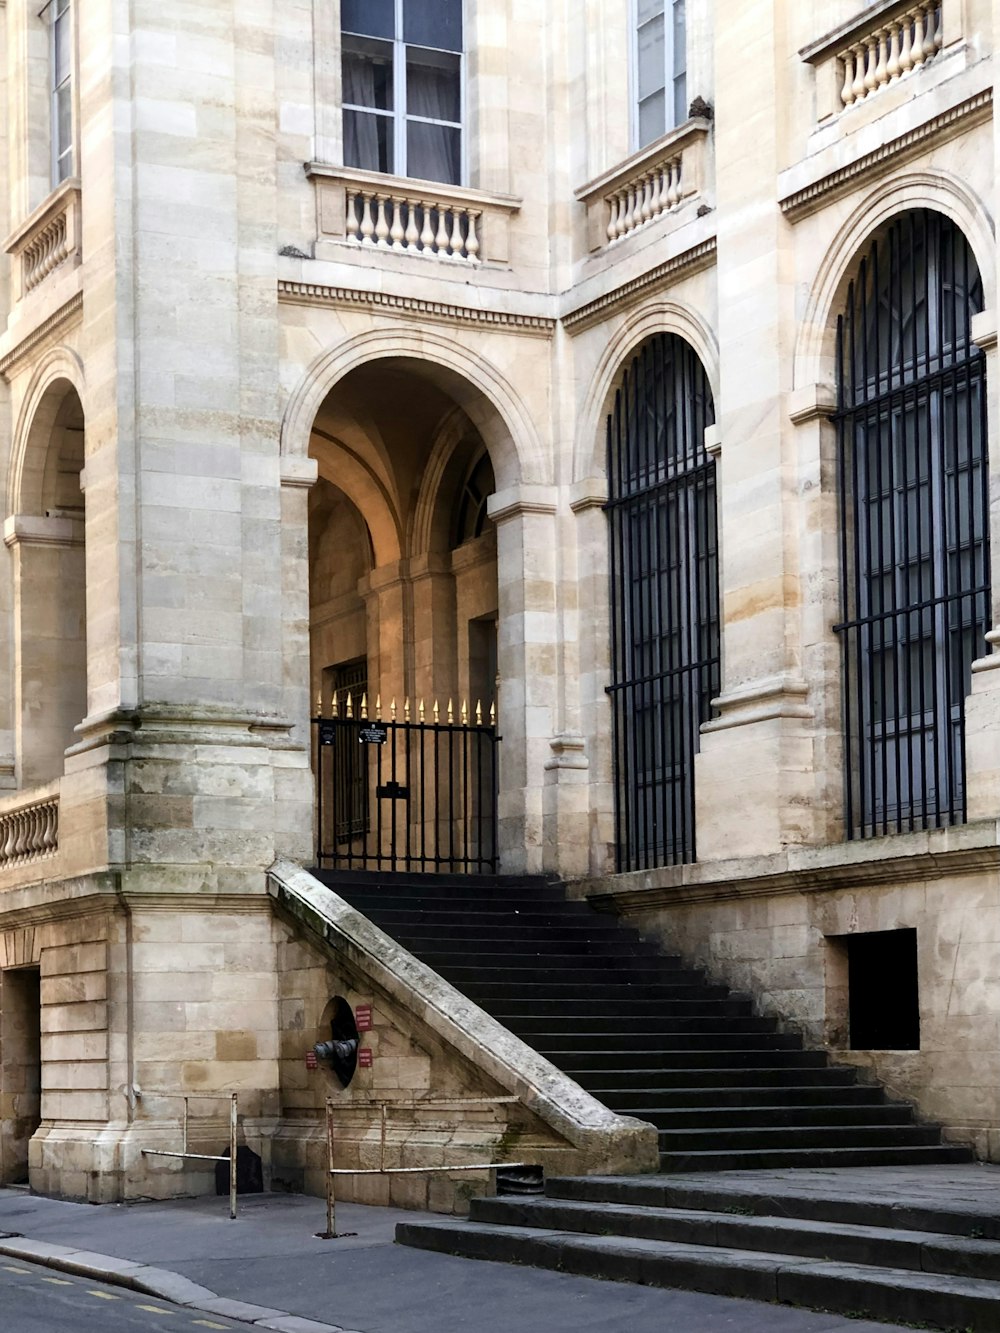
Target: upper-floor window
<point x="402" y="87"/>
<point x="660" y="64"/>
<point x="61" y="88"/>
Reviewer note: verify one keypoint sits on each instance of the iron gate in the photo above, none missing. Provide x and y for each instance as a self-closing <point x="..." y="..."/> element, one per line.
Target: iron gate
<point x="403" y="794"/>
<point x="664" y="597"/>
<point x="914" y="524"/>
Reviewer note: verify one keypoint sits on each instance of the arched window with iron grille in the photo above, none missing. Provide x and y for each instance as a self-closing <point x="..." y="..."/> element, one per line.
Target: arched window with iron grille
<point x="914" y="523"/>
<point x="664" y="597"/>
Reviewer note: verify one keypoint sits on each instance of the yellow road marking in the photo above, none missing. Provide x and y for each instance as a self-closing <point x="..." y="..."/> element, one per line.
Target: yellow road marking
<point x="58" y="1281"/>
<point x="103" y="1295"/>
<point x="153" y="1309"/>
<point x="11" y="1269"/>
<point x="207" y="1323"/>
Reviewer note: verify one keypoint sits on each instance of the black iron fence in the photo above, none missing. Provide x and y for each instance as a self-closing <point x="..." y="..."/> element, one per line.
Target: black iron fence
<point x="406" y="794"/>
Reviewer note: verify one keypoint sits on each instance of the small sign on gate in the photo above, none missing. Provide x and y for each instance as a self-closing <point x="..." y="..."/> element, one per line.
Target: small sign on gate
<point x="375" y="733"/>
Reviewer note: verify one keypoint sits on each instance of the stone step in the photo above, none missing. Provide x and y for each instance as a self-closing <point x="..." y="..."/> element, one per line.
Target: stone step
<point x="831" y="1200"/>
<point x="520" y="970"/>
<point x="600" y="1026"/>
<point x="647" y="1063"/>
<point x="895" y="1294"/>
<point x="558" y="1046"/>
<point x="637" y="1083"/>
<point x="833" y="1112"/>
<point x="740" y="1138"/>
<point x="778" y="1159"/>
<point x="886" y="1247"/>
<point x="645" y="1103"/>
<point x="508" y="1008"/>
<point x="647" y="993"/>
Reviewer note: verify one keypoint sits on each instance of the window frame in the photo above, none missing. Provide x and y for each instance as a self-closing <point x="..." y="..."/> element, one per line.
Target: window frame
<point x="400" y="115"/>
<point x="671" y="120"/>
<point x="59" y="153"/>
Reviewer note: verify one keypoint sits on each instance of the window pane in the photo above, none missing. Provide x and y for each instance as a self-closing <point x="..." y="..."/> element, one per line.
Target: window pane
<point x="680" y="39"/>
<point x="367" y="74"/>
<point x="434" y="152"/>
<point x="680" y="99"/>
<point x="647" y="9"/>
<point x="433" y="85"/>
<point x="61" y="35"/>
<point x="372" y="18"/>
<point x="652" y="122"/>
<point x="64" y="120"/>
<point x="652" y="74"/>
<point x="368" y="141"/>
<point x="433" y="23"/>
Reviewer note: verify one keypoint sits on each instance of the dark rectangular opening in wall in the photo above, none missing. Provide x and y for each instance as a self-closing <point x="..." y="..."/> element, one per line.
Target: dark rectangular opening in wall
<point x="882" y="990"/>
<point x="20" y="1069"/>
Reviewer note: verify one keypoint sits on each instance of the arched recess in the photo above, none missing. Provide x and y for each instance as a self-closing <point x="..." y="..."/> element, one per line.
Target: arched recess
<point x="815" y="345"/>
<point x="669" y="317"/>
<point x="46" y="534"/>
<point x="664" y="596"/>
<point x="488" y="398"/>
<point x="913" y="489"/>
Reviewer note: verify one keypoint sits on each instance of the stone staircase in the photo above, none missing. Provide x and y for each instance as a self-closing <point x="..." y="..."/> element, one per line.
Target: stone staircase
<point x="844" y="1241"/>
<point x="645" y="1034"/>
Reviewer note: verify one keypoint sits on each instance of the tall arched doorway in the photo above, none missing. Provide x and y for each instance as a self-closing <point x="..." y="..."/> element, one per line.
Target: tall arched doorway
<point x="46" y="536"/>
<point x="664" y="597"/>
<point x="914" y="523"/>
<point x="403" y="625"/>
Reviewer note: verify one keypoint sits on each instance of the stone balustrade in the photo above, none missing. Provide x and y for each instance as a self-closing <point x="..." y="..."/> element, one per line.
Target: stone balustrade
<point x="648" y="185"/>
<point x="889" y="52"/>
<point x="49" y="239"/>
<point x="29" y="832"/>
<point x="387" y="214"/>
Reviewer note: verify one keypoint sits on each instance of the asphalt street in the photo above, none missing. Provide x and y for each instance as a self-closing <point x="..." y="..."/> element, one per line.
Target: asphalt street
<point x="37" y="1300"/>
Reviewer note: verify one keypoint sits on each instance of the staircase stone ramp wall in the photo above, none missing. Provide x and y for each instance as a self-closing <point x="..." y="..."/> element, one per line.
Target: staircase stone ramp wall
<point x="431" y="1041"/>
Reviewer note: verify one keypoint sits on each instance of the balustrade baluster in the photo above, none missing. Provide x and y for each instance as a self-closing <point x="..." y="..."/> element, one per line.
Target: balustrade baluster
<point x="938" y="26"/>
<point x="367" y="221"/>
<point x="381" y="224"/>
<point x="932" y="30"/>
<point x="881" y="68"/>
<point x="906" y="50"/>
<point x="613" y="207"/>
<point x="892" y="65"/>
<point x="20" y="838"/>
<point x="427" y="232"/>
<point x="870" y="62"/>
<point x="657" y="202"/>
<point x="352" y="217"/>
<point x="441" y="238"/>
<point x="396" y="229"/>
<point x="918" y="52"/>
<point x="674" y="188"/>
<point x="847" y="91"/>
<point x="646" y="185"/>
<point x="412" y="230"/>
<point x="7" y="829"/>
<point x="471" y="239"/>
<point x="456" y="241"/>
<point x="859" y="72"/>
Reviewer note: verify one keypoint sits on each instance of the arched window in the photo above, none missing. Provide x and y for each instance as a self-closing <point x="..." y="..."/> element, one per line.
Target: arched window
<point x="914" y="523"/>
<point x="664" y="597"/>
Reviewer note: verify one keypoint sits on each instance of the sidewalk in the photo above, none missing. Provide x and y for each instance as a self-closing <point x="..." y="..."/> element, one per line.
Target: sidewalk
<point x="271" y="1259"/>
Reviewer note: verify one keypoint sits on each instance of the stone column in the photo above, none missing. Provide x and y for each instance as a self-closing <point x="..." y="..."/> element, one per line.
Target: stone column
<point x="526" y="573"/>
<point x="430" y="670"/>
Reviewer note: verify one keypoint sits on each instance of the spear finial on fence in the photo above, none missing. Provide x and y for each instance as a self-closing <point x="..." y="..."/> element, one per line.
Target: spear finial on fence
<point x="334" y="707"/>
<point x="364" y="706"/>
<point x="451" y="712"/>
<point x="465" y="714"/>
<point x="437" y="711"/>
<point x="378" y="708"/>
<point x="406" y="709"/>
<point x="420" y="711"/>
<point x="349" y="710"/>
<point x="493" y="715"/>
<point x="479" y="713"/>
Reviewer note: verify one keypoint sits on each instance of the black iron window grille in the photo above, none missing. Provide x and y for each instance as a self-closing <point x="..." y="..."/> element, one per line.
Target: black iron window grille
<point x="664" y="597"/>
<point x="914" y="523"/>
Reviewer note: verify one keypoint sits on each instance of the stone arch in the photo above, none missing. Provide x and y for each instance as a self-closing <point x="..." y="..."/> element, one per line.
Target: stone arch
<point x="488" y="398"/>
<point x="58" y="370"/>
<point x="659" y="317"/>
<point x="426" y="532"/>
<point x="344" y="468"/>
<point x="936" y="190"/>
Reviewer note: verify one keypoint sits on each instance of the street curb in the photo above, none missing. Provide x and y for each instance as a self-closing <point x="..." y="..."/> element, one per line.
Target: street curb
<point x="161" y="1282"/>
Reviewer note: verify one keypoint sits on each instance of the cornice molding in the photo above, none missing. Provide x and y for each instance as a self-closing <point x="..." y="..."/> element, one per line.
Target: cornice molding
<point x="314" y="293"/>
<point x="939" y="128"/>
<point x="698" y="257"/>
<point x="40" y="332"/>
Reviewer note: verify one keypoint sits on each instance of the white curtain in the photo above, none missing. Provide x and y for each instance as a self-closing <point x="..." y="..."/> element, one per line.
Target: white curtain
<point x="360" y="130"/>
<point x="433" y="151"/>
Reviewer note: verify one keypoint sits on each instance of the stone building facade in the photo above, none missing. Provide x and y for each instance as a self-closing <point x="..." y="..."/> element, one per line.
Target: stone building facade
<point x="341" y="345"/>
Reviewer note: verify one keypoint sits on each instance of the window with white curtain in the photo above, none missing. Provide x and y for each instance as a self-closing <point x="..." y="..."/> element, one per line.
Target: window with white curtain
<point x="659" y="58"/>
<point x="61" y="88"/>
<point x="402" y="87"/>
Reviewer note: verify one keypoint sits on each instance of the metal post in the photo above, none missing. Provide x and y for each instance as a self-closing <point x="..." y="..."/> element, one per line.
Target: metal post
<point x="331" y="1204"/>
<point x="185" y="1124"/>
<point x="381" y="1149"/>
<point x="232" y="1157"/>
